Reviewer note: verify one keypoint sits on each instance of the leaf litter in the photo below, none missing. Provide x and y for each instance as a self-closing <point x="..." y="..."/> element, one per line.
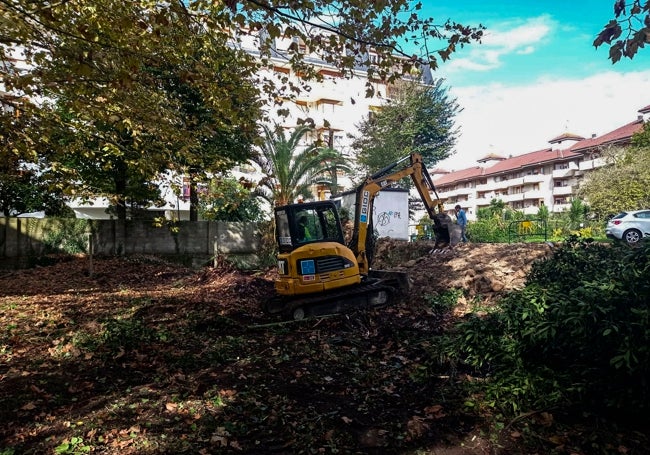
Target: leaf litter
<point x="148" y="357"/>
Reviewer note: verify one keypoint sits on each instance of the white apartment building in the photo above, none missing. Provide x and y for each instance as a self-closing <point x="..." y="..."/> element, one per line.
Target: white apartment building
<point x="335" y="106"/>
<point x="524" y="182"/>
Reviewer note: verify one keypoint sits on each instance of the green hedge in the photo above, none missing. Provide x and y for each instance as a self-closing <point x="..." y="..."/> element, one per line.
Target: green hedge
<point x="579" y="332"/>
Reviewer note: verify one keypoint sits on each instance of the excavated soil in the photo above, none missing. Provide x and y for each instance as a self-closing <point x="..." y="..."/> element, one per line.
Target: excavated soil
<point x="483" y="271"/>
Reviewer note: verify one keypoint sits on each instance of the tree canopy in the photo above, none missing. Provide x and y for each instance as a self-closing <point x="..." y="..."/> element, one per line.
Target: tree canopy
<point x="622" y="184"/>
<point x="628" y="31"/>
<point x="290" y="168"/>
<point x="227" y="199"/>
<point x="110" y="83"/>
<point x="418" y="119"/>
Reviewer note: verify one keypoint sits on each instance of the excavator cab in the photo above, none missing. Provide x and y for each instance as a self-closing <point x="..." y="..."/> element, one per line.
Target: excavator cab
<point x="301" y="224"/>
<point x="312" y="256"/>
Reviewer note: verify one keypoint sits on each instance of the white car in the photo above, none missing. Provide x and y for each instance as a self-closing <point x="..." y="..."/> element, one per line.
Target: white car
<point x="630" y="226"/>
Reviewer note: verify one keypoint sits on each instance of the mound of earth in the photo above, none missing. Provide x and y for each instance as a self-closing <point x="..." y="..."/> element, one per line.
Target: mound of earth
<point x="483" y="271"/>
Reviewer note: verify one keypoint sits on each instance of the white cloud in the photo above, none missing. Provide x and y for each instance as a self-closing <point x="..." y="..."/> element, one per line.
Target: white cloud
<point x="503" y="39"/>
<point x="512" y="120"/>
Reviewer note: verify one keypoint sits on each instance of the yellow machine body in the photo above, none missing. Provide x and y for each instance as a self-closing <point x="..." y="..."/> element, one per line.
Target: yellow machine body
<point x="316" y="267"/>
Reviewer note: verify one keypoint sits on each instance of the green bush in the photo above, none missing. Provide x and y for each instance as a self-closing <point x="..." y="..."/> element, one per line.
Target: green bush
<point x="579" y="332"/>
<point x="68" y="236"/>
<point x="489" y="230"/>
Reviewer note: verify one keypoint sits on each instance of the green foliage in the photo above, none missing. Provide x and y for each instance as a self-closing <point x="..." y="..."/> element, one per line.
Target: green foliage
<point x="289" y="167"/>
<point x="578" y="332"/>
<point x="494" y="221"/>
<point x="75" y="446"/>
<point x="494" y="210"/>
<point x="623" y="183"/>
<point x="442" y="303"/>
<point x="420" y="119"/>
<point x="124" y="334"/>
<point x="577" y="213"/>
<point x="68" y="236"/>
<point x="135" y="89"/>
<point x="488" y="228"/>
<point x="227" y="199"/>
<point x="22" y="188"/>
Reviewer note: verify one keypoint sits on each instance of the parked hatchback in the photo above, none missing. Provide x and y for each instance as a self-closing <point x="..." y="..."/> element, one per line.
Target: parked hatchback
<point x="629" y="226"/>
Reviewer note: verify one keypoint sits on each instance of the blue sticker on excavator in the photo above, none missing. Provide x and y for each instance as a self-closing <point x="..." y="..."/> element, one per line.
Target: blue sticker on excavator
<point x="308" y="267"/>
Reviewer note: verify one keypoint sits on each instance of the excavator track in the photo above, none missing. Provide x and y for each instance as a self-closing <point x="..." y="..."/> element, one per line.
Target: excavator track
<point x="371" y="293"/>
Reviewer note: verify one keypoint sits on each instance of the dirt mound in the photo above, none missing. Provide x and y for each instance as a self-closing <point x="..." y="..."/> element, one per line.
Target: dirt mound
<point x="483" y="271"/>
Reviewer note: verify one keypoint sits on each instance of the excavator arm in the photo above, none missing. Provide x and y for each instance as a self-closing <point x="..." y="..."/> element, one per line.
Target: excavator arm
<point x="411" y="166"/>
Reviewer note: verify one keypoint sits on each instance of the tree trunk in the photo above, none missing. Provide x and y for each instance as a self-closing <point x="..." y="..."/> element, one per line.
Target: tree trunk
<point x="120" y="181"/>
<point x="194" y="197"/>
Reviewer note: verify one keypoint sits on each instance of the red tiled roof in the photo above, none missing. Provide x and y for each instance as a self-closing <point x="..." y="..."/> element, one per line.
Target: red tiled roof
<point x="491" y="156"/>
<point x="565" y="137"/>
<point x="622" y="134"/>
<point x="457" y="176"/>
<point x="530" y="159"/>
<point x="437" y="171"/>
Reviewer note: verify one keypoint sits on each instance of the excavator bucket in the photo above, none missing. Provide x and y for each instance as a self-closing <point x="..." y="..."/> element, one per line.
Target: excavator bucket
<point x="398" y="280"/>
<point x="444" y="231"/>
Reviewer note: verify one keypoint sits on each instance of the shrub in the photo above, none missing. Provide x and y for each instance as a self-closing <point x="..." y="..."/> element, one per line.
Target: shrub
<point x="488" y="230"/>
<point x="68" y="236"/>
<point x="578" y="332"/>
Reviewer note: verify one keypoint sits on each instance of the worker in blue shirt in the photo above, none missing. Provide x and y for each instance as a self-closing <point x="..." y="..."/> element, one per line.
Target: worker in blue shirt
<point x="461" y="219"/>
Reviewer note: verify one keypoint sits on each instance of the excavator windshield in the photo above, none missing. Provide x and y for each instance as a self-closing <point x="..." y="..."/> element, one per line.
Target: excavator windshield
<point x="300" y="224"/>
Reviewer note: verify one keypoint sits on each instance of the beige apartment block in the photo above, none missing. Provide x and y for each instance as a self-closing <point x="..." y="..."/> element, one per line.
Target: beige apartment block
<point x="525" y="182"/>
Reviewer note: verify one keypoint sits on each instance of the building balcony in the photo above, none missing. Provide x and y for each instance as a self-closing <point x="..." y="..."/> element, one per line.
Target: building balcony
<point x="591" y="164"/>
<point x="562" y="190"/>
<point x="561" y="173"/>
<point x="557" y="208"/>
<point x="512" y="197"/>
<point x="492" y="186"/>
<point x="457" y="192"/>
<point x="534" y="194"/>
<point x="531" y="210"/>
<point x="535" y="178"/>
<point x="518" y="181"/>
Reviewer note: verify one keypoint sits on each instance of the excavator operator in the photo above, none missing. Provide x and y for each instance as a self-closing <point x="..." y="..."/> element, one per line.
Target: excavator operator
<point x="303" y="231"/>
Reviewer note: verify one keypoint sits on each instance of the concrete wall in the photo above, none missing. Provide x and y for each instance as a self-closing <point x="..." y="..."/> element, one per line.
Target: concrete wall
<point x="193" y="243"/>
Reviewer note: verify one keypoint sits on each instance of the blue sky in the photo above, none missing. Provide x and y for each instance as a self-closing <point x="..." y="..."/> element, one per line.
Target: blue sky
<point x="536" y="75"/>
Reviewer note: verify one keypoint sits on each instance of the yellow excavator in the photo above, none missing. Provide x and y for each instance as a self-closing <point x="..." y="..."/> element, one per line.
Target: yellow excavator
<point x="318" y="273"/>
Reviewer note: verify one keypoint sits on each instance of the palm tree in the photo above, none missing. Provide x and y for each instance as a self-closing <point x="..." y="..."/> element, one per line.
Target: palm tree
<point x="289" y="168"/>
